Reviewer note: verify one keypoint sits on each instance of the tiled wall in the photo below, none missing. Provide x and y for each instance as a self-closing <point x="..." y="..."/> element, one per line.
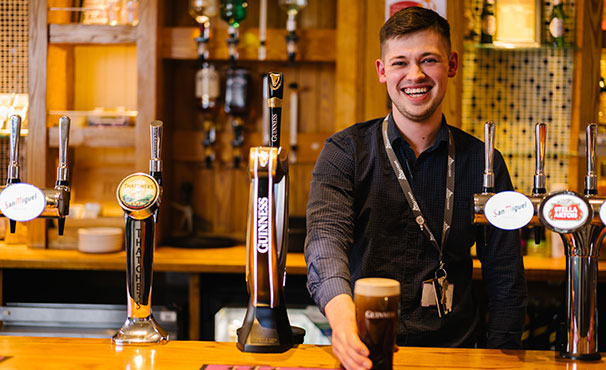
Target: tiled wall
<point x="516" y="88"/>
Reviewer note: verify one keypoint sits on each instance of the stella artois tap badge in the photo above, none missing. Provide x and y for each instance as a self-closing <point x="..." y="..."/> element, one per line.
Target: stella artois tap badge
<point x="565" y="212"/>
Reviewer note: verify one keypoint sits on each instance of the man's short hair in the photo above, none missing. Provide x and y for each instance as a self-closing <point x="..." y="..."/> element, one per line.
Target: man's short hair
<point x="414" y="19"/>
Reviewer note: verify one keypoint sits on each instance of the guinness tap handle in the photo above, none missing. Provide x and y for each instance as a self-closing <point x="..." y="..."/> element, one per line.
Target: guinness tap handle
<point x="540" y="131"/>
<point x="155" y="163"/>
<point x="488" y="178"/>
<point x="591" y="180"/>
<point x="274" y="102"/>
<point x="15" y="138"/>
<point x="62" y="170"/>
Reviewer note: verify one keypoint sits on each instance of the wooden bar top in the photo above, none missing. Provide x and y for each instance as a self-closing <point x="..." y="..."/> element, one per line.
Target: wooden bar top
<point x="85" y="353"/>
<point x="217" y="260"/>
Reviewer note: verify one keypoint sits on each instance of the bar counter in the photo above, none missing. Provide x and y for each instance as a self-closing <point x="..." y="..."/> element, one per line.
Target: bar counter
<point x="84" y="353"/>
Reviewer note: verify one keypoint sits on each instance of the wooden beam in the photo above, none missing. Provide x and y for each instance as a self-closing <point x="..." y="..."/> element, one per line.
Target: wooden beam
<point x="315" y="45"/>
<point x="147" y="74"/>
<point x="91" y="34"/>
<point x="36" y="139"/>
<point x="585" y="100"/>
<point x="451" y="107"/>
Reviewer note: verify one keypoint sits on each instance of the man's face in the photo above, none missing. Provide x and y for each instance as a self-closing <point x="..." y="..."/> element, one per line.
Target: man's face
<point x="416" y="68"/>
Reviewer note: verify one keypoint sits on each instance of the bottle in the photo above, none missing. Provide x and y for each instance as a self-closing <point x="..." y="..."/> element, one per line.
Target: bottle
<point x="202" y="10"/>
<point x="207" y="87"/>
<point x="489" y="22"/>
<point x="234" y="11"/>
<point x="556" y="25"/>
<point x="292" y="6"/>
<point x="236" y="91"/>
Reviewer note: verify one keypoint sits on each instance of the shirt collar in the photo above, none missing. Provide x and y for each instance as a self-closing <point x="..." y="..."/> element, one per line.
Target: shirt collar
<point x="394" y="134"/>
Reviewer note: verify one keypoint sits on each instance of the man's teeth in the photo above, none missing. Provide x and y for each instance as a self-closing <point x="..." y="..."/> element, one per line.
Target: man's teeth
<point x="417" y="91"/>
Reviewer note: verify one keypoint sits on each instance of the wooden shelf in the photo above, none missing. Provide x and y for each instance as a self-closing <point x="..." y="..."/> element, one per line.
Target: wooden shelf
<point x="107" y="137"/>
<point x="315" y="45"/>
<point x="91" y="34"/>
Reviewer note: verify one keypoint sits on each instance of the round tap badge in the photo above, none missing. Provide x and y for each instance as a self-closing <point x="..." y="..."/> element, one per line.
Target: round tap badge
<point x="22" y="202"/>
<point x="603" y="213"/>
<point x="138" y="192"/>
<point x="509" y="210"/>
<point x="565" y="212"/>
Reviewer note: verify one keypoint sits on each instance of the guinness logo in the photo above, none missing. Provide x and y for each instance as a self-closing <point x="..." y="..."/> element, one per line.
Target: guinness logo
<point x="275" y="80"/>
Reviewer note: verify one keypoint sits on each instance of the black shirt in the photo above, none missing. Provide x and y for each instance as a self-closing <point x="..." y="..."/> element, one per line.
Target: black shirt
<point x="360" y="225"/>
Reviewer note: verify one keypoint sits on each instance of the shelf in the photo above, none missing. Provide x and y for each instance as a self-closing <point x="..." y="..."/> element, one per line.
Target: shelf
<point x="105" y="136"/>
<point x="315" y="45"/>
<point x="91" y="34"/>
<point x="474" y="45"/>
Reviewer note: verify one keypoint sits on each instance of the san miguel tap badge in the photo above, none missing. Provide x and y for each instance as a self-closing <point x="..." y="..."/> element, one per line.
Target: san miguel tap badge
<point x="138" y="193"/>
<point x="565" y="212"/>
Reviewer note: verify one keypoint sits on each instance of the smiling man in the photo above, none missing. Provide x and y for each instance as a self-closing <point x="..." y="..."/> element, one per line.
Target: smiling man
<point x="391" y="197"/>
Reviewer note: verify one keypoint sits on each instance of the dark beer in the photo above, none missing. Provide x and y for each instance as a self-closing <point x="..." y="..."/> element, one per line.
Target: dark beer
<point x="377" y="303"/>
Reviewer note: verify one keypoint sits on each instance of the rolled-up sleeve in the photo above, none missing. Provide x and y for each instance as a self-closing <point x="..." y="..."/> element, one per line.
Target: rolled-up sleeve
<point x="330" y="222"/>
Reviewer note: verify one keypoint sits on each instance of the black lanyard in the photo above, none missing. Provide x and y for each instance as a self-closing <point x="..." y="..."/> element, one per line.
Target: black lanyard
<point x="405" y="185"/>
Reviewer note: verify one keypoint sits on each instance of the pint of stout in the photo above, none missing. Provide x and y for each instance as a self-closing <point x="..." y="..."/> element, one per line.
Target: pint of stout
<point x="377" y="303"/>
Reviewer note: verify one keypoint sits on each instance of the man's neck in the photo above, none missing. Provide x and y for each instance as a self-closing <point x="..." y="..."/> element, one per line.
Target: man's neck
<point x="419" y="135"/>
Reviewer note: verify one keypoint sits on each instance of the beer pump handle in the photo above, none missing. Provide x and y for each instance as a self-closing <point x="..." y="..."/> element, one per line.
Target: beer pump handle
<point x="274" y="102"/>
<point x="540" y="131"/>
<point x="15" y="138"/>
<point x="13" y="167"/>
<point x="488" y="178"/>
<point x="62" y="183"/>
<point x="155" y="164"/>
<point x="591" y="180"/>
<point x="62" y="169"/>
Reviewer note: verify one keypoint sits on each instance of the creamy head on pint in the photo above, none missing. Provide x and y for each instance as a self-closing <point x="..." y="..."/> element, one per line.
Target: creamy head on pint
<point x="377" y="287"/>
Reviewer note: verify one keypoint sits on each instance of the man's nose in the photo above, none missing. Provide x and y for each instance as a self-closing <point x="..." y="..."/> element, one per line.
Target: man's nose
<point x="415" y="72"/>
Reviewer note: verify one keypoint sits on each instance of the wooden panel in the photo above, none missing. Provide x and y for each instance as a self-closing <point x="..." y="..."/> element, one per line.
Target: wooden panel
<point x="147" y="83"/>
<point x="112" y="137"/>
<point x="91" y="34"/>
<point x="585" y="102"/>
<point x="317" y="45"/>
<point x="374" y="92"/>
<point x="451" y="107"/>
<point x="349" y="70"/>
<point x="36" y="139"/>
<point x="61" y="77"/>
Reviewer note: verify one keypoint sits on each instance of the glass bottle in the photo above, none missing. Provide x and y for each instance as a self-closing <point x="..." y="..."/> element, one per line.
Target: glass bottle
<point x="234" y="11"/>
<point x="202" y="10"/>
<point x="556" y="25"/>
<point x="236" y="91"/>
<point x="292" y="8"/>
<point x="489" y="22"/>
<point x="207" y="87"/>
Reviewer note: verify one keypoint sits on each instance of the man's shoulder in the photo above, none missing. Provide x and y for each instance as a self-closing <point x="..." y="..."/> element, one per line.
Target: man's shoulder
<point x="465" y="138"/>
<point x="357" y="131"/>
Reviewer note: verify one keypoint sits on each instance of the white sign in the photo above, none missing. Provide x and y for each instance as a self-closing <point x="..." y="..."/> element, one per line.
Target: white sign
<point x="392" y="6"/>
<point x="603" y="213"/>
<point x="565" y="212"/>
<point x="509" y="210"/>
<point x="22" y="202"/>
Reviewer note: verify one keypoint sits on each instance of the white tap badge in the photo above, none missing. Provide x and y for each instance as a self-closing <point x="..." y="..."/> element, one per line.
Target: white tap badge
<point x="509" y="210"/>
<point x="603" y="213"/>
<point x="22" y="202"/>
<point x="565" y="212"/>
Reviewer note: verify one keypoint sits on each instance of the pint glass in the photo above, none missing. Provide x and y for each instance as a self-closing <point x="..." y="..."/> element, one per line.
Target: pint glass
<point x="377" y="303"/>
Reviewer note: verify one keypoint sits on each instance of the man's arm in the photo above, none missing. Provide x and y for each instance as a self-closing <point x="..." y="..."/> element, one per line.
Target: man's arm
<point x="330" y="225"/>
<point x="504" y="278"/>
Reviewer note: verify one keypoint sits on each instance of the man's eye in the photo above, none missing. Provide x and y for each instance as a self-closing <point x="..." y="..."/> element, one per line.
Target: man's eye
<point x="398" y="63"/>
<point x="430" y="60"/>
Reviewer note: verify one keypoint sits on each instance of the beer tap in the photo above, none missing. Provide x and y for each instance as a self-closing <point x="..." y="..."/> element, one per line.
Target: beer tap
<point x="139" y="195"/>
<point x="13" y="166"/>
<point x="539" y="188"/>
<point x="23" y="202"/>
<point x="580" y="220"/>
<point x="488" y="176"/>
<point x="266" y="327"/>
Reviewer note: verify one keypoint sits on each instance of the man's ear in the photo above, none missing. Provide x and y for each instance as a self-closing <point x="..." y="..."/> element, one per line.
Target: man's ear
<point x="381" y="71"/>
<point x="453" y="64"/>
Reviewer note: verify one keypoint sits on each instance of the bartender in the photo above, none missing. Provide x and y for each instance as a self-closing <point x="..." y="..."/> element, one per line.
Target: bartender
<point x="391" y="197"/>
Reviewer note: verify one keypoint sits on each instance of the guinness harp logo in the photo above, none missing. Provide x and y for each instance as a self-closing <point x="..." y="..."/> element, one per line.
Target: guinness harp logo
<point x="275" y="80"/>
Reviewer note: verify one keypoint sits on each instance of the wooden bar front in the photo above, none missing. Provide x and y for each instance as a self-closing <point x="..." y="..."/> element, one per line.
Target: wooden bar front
<point x="81" y="353"/>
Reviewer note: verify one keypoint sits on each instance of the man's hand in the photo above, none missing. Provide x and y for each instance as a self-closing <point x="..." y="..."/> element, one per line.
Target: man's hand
<point x="346" y="344"/>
